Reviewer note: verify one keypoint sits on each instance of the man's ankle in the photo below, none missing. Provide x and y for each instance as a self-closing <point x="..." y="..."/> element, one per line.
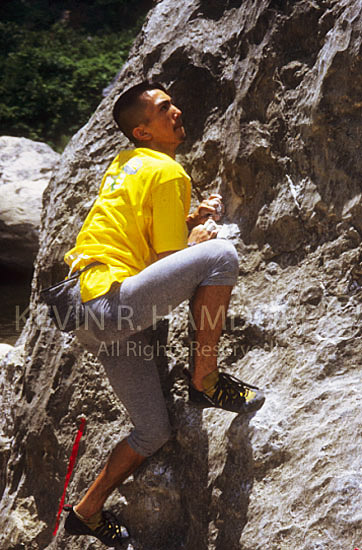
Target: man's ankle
<point x="79" y="515"/>
<point x="207" y="383"/>
<point x="91" y="520"/>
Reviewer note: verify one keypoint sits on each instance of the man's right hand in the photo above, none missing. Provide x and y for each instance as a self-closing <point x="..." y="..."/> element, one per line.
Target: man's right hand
<point x="209" y="208"/>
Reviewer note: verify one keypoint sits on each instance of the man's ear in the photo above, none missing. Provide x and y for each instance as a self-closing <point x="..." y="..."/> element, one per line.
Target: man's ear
<point x="140" y="134"/>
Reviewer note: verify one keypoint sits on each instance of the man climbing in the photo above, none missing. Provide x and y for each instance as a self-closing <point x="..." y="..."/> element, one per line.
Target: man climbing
<point x="141" y="237"/>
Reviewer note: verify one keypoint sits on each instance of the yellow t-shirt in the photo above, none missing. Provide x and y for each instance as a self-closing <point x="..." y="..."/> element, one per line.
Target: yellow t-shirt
<point x="140" y="212"/>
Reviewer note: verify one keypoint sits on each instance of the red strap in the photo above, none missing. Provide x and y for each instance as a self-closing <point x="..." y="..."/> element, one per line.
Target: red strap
<point x="72" y="460"/>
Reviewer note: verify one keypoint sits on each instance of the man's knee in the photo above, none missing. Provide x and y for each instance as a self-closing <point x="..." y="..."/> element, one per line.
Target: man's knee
<point x="224" y="266"/>
<point x="146" y="442"/>
<point x="229" y="255"/>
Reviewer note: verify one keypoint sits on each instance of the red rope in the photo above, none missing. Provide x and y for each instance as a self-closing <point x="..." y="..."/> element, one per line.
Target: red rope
<point x="72" y="460"/>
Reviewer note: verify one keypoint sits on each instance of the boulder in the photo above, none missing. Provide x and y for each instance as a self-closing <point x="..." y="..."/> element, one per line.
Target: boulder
<point x="4" y="349"/>
<point x="270" y="92"/>
<point x="25" y="170"/>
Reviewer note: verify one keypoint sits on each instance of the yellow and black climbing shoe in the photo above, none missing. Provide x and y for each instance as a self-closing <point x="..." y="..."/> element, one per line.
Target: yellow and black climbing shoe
<point x="107" y="528"/>
<point x="230" y="394"/>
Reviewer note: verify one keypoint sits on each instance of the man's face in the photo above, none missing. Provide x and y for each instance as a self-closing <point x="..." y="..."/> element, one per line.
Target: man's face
<point x="164" y="121"/>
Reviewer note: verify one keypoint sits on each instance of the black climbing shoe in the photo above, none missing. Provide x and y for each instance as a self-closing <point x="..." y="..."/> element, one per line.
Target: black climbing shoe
<point x="230" y="394"/>
<point x="108" y="530"/>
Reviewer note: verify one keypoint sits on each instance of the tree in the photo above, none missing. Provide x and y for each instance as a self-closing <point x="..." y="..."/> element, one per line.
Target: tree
<point x="55" y="62"/>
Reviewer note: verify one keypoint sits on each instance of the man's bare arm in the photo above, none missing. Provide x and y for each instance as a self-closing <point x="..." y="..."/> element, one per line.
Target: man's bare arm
<point x="164" y="254"/>
<point x="199" y="234"/>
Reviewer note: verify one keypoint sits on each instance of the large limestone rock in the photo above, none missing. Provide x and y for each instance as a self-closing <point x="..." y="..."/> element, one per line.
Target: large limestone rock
<point x="271" y="98"/>
<point x="25" y="169"/>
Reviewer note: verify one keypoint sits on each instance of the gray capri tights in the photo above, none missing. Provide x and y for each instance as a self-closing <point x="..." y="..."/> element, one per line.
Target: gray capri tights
<point x="122" y="315"/>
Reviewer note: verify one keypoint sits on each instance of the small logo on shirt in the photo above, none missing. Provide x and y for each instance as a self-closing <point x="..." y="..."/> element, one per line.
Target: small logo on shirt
<point x="114" y="181"/>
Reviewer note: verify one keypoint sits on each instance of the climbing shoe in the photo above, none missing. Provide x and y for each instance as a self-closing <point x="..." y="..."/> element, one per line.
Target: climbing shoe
<point x="107" y="529"/>
<point x="230" y="394"/>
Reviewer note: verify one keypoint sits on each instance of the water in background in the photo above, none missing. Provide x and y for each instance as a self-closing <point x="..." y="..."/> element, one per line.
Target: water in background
<point x="15" y="294"/>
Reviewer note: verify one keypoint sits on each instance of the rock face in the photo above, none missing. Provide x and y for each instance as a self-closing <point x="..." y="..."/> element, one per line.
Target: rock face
<point x="271" y="97"/>
<point x="25" y="170"/>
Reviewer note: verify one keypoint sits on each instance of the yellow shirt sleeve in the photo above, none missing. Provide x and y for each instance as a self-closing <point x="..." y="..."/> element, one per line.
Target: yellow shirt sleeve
<point x="170" y="205"/>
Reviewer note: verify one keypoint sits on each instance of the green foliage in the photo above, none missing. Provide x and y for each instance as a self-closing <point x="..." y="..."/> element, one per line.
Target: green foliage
<point x="53" y="69"/>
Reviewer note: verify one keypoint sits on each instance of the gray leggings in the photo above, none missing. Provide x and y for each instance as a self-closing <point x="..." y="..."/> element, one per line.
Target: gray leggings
<point x="115" y="324"/>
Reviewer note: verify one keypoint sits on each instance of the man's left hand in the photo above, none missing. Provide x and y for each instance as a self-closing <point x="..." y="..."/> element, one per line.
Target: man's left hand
<point x="203" y="232"/>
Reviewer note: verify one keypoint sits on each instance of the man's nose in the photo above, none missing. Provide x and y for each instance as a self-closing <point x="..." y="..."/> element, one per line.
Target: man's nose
<point x="177" y="111"/>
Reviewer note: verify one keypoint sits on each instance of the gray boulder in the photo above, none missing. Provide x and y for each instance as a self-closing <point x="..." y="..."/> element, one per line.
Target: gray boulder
<point x="4" y="349"/>
<point x="271" y="97"/>
<point x="25" y="170"/>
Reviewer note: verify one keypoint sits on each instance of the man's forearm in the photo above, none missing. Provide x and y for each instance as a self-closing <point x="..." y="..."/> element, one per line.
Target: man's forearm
<point x="192" y="221"/>
<point x="164" y="254"/>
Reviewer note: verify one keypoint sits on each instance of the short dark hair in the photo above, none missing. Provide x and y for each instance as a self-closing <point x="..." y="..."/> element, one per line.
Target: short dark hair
<point x="127" y="110"/>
